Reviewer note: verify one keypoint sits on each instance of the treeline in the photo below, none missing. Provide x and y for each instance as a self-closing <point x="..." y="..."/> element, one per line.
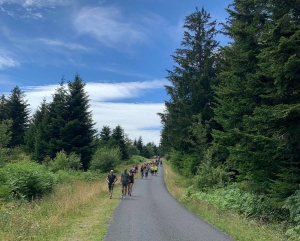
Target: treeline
<point x="64" y="124"/>
<point x="234" y="111"/>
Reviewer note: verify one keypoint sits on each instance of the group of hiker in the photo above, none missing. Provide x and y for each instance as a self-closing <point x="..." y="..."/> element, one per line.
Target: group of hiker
<point x="127" y="178"/>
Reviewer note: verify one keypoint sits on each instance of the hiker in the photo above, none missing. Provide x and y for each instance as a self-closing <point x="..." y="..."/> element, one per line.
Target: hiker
<point x="155" y="169"/>
<point x="131" y="181"/>
<point x="111" y="180"/>
<point x="124" y="181"/>
<point x="142" y="171"/>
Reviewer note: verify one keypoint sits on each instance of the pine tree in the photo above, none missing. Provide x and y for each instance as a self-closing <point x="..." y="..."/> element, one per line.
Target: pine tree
<point x="140" y="146"/>
<point x="37" y="136"/>
<point x="78" y="133"/>
<point x="3" y="108"/>
<point x="118" y="138"/>
<point x="58" y="120"/>
<point x="191" y="81"/>
<point x="18" y="112"/>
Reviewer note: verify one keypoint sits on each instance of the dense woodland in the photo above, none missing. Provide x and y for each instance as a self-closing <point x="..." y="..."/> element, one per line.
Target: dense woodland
<point x="233" y="117"/>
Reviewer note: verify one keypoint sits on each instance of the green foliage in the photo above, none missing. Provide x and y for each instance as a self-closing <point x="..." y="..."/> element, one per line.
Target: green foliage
<point x="133" y="151"/>
<point x="67" y="176"/>
<point x="27" y="179"/>
<point x="18" y="111"/>
<point x="292" y="203"/>
<point x="233" y="198"/>
<point x="118" y="138"/>
<point x="12" y="155"/>
<point x="5" y="132"/>
<point x="191" y="80"/>
<point x="209" y="175"/>
<point x="62" y="161"/>
<point x="105" y="159"/>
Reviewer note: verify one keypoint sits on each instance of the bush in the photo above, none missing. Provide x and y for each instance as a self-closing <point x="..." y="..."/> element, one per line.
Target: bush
<point x="27" y="179"/>
<point x="209" y="176"/>
<point x="292" y="203"/>
<point x="64" y="162"/>
<point x="67" y="176"/>
<point x="105" y="159"/>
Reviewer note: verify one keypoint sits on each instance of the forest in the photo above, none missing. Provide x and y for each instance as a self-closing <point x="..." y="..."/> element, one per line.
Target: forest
<point x="232" y="122"/>
<point x="58" y="140"/>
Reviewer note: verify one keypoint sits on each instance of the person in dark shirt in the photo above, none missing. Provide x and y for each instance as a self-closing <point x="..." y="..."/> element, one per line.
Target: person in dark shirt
<point x="131" y="181"/>
<point x="111" y="180"/>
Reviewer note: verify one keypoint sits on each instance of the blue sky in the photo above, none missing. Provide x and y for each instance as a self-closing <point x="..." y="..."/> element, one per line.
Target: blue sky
<point x="120" y="48"/>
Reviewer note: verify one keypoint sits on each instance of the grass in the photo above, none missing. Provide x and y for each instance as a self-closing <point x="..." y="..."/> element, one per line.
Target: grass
<point x="73" y="211"/>
<point x="236" y="226"/>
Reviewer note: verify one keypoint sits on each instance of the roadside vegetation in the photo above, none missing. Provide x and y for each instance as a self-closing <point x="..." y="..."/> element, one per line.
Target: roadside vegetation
<point x="228" y="218"/>
<point x="231" y="124"/>
<point x="77" y="208"/>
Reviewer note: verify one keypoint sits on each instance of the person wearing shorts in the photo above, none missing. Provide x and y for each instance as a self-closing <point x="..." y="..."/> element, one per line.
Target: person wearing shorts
<point x="131" y="181"/>
<point x="124" y="182"/>
<point x="111" y="180"/>
<point x="155" y="169"/>
<point x="147" y="171"/>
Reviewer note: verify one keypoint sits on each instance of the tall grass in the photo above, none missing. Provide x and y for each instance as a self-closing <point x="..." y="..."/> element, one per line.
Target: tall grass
<point x="38" y="219"/>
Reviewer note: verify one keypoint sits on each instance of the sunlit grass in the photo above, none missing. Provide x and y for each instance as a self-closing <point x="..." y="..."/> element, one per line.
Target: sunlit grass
<point x="73" y="211"/>
<point x="236" y="226"/>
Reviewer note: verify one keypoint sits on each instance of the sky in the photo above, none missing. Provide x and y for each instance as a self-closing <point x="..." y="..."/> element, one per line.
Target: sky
<point x="120" y="48"/>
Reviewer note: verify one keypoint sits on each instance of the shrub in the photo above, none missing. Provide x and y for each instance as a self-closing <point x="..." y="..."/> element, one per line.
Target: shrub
<point x="64" y="162"/>
<point x="210" y="176"/>
<point x="292" y="203"/>
<point x="67" y="176"/>
<point x="27" y="179"/>
<point x="105" y="159"/>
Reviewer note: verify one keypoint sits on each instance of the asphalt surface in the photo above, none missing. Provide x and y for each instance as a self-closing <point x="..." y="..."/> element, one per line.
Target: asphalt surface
<point x="153" y="214"/>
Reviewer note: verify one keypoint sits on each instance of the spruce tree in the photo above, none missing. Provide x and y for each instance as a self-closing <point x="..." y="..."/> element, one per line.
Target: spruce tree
<point x="37" y="135"/>
<point x="58" y="118"/>
<point x="78" y="133"/>
<point x="18" y="112"/>
<point x="118" y="138"/>
<point x="191" y="81"/>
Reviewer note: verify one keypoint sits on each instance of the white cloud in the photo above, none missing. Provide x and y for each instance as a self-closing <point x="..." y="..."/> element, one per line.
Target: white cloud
<point x="30" y="7"/>
<point x="138" y="119"/>
<point x="109" y="27"/>
<point x="57" y="43"/>
<point x="7" y="62"/>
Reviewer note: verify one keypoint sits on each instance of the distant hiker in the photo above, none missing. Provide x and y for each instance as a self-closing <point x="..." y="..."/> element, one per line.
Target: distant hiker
<point x="111" y="180"/>
<point x="133" y="169"/>
<point x="124" y="181"/>
<point x="147" y="170"/>
<point x="142" y="170"/>
<point x="131" y="181"/>
<point x="156" y="169"/>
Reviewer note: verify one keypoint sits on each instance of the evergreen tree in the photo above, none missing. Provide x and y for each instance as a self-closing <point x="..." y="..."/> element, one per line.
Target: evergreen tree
<point x="105" y="133"/>
<point x="118" y="138"/>
<point x="37" y="136"/>
<point x="191" y="81"/>
<point x="58" y="119"/>
<point x="78" y="133"/>
<point x="18" y="112"/>
<point x="3" y="108"/>
<point x="140" y="146"/>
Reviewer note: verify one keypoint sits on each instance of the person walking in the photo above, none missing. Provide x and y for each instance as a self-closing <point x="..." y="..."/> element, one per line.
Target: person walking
<point x="131" y="181"/>
<point x="124" y="182"/>
<point x="142" y="171"/>
<point x="111" y="180"/>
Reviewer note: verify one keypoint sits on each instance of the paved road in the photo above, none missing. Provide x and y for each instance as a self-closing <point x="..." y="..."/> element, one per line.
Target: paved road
<point x="153" y="214"/>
